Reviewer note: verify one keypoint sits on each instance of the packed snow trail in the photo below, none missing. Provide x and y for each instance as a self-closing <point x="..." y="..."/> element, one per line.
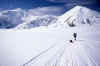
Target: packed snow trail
<point x="83" y="52"/>
<point x="54" y="46"/>
<point x="39" y="55"/>
<point x="70" y="54"/>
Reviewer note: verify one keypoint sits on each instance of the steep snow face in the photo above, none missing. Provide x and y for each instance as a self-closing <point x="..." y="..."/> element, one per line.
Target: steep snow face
<point x="37" y="21"/>
<point x="11" y="18"/>
<point x="79" y="15"/>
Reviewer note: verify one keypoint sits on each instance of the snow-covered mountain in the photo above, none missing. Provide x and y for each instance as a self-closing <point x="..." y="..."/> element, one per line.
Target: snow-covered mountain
<point x="21" y="19"/>
<point x="37" y="21"/>
<point x="79" y="15"/>
<point x="49" y="47"/>
<point x="76" y="16"/>
<point x="11" y="18"/>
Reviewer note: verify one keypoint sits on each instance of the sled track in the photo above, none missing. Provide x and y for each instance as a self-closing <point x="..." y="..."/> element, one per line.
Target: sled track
<point x="35" y="57"/>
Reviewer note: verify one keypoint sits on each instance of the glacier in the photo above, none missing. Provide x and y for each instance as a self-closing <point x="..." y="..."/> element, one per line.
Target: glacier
<point x="50" y="46"/>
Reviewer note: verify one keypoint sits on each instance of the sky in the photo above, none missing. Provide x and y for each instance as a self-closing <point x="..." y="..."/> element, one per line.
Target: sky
<point x="53" y="6"/>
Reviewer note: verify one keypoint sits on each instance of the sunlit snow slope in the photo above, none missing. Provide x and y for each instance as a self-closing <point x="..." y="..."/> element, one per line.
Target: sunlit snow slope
<point x="79" y="15"/>
<point x="51" y="46"/>
<point x="37" y="21"/>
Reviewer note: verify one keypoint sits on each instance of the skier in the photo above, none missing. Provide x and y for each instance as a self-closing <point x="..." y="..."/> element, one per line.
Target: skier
<point x="74" y="35"/>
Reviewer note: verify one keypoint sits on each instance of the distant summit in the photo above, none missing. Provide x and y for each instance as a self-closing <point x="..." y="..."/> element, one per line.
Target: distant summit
<point x="21" y="19"/>
<point x="76" y="16"/>
<point x="79" y="15"/>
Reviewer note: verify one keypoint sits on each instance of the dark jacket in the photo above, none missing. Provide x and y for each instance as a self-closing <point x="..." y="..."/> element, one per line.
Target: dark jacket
<point x="75" y="35"/>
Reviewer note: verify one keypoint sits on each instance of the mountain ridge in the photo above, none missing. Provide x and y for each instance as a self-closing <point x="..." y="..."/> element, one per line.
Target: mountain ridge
<point x="79" y="15"/>
<point x="20" y="18"/>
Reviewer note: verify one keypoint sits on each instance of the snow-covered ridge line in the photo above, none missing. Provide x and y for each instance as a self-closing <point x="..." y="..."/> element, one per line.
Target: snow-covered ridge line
<point x="21" y="19"/>
<point x="79" y="15"/>
<point x="74" y="17"/>
<point x="37" y="21"/>
<point x="13" y="18"/>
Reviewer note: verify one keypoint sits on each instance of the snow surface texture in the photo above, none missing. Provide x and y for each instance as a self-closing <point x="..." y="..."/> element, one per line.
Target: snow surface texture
<point x="44" y="46"/>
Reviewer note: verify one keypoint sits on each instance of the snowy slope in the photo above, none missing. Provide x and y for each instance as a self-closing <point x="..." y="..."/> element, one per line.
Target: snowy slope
<point x="45" y="47"/>
<point x="37" y="21"/>
<point x="51" y="47"/>
<point x="79" y="15"/>
<point x="76" y="16"/>
<point x="21" y="19"/>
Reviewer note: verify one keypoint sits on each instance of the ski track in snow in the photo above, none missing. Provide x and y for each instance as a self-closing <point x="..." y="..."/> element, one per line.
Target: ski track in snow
<point x="83" y="52"/>
<point x="78" y="53"/>
<point x="73" y="55"/>
<point x="34" y="58"/>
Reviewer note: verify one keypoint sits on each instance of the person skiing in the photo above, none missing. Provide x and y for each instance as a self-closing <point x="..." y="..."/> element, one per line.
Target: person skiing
<point x="74" y="35"/>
